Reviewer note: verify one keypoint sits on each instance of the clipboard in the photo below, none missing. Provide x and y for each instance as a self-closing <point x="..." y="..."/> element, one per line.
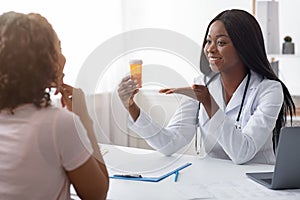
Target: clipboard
<point x="151" y="179"/>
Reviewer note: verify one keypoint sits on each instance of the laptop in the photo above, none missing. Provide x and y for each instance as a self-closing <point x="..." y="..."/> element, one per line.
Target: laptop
<point x="286" y="173"/>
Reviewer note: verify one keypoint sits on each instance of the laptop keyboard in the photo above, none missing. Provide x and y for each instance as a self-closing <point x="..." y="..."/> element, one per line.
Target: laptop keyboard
<point x="267" y="180"/>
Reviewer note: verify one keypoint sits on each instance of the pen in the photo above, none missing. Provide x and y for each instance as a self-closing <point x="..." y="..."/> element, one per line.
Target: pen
<point x="176" y="176"/>
<point x="128" y="175"/>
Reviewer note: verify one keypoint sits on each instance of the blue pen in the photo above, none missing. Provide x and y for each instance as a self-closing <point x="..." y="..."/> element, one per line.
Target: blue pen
<point x="176" y="176"/>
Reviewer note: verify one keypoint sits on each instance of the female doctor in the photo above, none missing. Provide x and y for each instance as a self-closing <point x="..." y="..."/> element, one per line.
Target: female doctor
<point x="241" y="107"/>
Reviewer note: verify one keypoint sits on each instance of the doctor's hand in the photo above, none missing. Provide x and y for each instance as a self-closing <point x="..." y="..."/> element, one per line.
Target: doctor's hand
<point x="127" y="89"/>
<point x="197" y="92"/>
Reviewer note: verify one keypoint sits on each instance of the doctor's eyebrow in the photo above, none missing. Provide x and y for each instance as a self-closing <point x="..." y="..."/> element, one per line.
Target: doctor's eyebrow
<point x="218" y="36"/>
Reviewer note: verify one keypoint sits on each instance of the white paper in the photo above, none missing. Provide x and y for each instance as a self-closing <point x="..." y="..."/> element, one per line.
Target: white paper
<point x="240" y="189"/>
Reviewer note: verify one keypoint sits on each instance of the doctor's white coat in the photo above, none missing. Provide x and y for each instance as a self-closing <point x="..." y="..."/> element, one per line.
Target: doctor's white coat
<point x="219" y="135"/>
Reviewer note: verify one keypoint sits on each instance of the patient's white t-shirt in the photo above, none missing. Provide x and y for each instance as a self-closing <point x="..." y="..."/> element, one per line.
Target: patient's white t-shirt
<point x="37" y="147"/>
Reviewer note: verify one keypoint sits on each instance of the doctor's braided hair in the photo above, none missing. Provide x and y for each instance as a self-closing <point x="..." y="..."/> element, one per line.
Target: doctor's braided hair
<point x="247" y="38"/>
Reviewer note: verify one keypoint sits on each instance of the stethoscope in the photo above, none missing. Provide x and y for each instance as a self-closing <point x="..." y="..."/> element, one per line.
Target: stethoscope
<point x="237" y="123"/>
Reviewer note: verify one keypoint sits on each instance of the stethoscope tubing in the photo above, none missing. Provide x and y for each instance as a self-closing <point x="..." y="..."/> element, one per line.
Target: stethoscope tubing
<point x="237" y="125"/>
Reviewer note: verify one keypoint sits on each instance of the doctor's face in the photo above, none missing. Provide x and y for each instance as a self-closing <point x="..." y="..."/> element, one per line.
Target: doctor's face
<point x="219" y="50"/>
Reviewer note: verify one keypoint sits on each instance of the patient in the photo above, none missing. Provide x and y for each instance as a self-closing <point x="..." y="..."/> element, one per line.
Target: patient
<point x="43" y="148"/>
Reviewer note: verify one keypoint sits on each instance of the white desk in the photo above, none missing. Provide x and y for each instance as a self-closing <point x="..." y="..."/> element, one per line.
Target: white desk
<point x="205" y="179"/>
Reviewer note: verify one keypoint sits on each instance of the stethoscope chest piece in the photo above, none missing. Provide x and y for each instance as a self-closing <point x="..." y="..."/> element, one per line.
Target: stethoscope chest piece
<point x="237" y="125"/>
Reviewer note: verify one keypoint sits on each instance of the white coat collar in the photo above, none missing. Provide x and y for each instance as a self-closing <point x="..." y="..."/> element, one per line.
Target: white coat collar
<point x="215" y="89"/>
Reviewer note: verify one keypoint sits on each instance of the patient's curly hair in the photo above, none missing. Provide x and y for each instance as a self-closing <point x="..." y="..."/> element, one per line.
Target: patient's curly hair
<point x="28" y="60"/>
